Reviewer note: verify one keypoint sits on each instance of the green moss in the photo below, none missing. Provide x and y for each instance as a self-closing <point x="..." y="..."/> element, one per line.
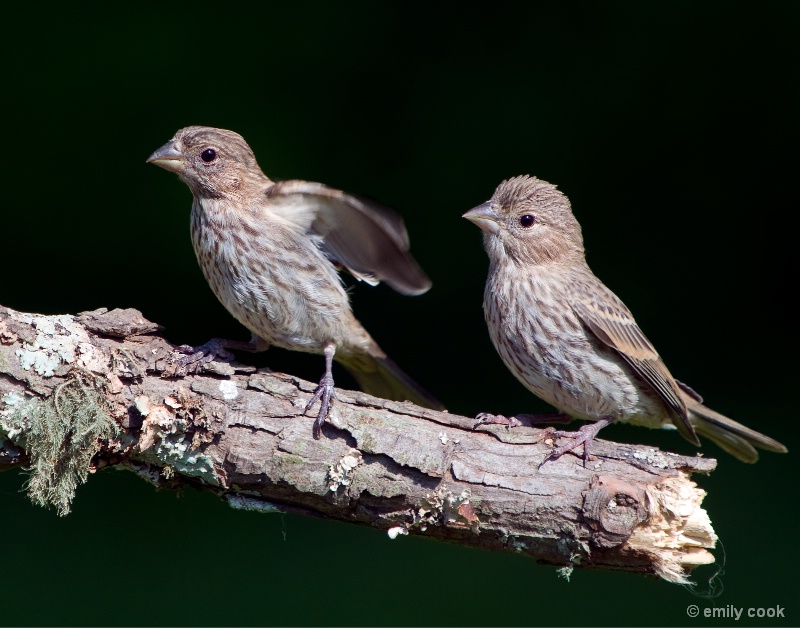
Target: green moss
<point x="62" y="437"/>
<point x="290" y="458"/>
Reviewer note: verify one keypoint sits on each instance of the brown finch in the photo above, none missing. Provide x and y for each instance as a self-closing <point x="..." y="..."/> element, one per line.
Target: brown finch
<point x="569" y="339"/>
<point x="270" y="253"/>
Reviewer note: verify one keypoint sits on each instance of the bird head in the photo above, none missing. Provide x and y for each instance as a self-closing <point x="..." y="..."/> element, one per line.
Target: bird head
<point x="529" y="221"/>
<point x="214" y="163"/>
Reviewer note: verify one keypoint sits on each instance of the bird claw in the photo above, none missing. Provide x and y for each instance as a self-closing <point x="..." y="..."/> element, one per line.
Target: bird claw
<point x="326" y="394"/>
<point x="583" y="436"/>
<point x="488" y="418"/>
<point x="192" y="359"/>
<point x="522" y="419"/>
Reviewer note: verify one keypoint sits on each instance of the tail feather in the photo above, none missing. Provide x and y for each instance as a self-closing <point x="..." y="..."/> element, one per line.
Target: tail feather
<point x="730" y="435"/>
<point x="378" y="375"/>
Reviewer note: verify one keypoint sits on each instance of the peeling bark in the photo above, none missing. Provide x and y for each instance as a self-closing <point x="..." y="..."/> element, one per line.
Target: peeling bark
<point x="241" y="433"/>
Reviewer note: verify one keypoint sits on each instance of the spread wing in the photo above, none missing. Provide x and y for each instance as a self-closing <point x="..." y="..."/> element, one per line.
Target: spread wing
<point x="611" y="321"/>
<point x="368" y="239"/>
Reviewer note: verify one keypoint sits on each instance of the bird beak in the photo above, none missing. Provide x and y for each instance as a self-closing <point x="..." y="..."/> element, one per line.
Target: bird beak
<point x="484" y="217"/>
<point x="168" y="157"/>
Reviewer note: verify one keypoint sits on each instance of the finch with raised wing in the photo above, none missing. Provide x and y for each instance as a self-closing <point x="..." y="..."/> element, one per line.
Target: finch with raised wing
<point x="569" y="339"/>
<point x="270" y="252"/>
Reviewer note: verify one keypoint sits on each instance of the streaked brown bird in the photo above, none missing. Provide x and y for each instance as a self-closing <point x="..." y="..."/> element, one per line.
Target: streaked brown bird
<point x="569" y="339"/>
<point x="270" y="253"/>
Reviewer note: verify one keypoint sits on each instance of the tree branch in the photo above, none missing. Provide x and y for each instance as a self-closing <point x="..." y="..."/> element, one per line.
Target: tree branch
<point x="78" y="393"/>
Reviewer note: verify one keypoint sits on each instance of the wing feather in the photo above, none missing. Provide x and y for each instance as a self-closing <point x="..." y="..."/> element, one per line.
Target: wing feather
<point x="611" y="321"/>
<point x="367" y="238"/>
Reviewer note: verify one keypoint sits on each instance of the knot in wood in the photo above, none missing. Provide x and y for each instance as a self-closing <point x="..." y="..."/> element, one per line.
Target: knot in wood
<point x="613" y="508"/>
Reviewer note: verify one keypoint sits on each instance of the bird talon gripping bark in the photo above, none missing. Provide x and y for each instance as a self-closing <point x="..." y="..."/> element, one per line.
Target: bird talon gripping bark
<point x="325" y="393"/>
<point x="483" y="419"/>
<point x="569" y="339"/>
<point x="583" y="436"/>
<point x="190" y="359"/>
<point x="521" y="419"/>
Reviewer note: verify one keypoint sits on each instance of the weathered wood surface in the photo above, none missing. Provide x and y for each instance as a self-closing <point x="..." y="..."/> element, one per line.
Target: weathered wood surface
<point x="241" y="433"/>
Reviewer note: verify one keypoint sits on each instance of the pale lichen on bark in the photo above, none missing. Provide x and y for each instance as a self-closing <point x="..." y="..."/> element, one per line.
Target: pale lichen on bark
<point x="242" y="434"/>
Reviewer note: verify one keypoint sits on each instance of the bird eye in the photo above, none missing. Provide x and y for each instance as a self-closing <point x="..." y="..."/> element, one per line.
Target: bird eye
<point x="526" y="220"/>
<point x="209" y="155"/>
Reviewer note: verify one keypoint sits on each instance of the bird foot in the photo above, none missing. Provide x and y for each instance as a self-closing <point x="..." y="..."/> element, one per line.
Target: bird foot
<point x="488" y="418"/>
<point x="326" y="394"/>
<point x="191" y="359"/>
<point x="522" y="419"/>
<point x="583" y="436"/>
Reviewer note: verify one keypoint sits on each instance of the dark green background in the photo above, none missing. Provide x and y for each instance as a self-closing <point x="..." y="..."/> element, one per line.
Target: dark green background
<point x="673" y="128"/>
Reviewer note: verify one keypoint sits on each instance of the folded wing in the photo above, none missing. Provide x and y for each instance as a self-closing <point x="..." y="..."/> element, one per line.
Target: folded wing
<point x="611" y="321"/>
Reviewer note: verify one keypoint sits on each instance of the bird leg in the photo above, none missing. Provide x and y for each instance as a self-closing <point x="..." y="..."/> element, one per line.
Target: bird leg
<point x="584" y="435"/>
<point x="194" y="358"/>
<point x="522" y="418"/>
<point x="325" y="392"/>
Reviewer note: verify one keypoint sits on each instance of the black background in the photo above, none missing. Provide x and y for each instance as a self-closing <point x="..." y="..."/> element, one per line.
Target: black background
<point x="672" y="127"/>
